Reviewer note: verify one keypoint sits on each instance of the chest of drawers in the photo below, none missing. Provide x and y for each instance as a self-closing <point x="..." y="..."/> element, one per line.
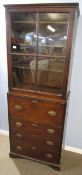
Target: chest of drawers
<point x="39" y="45"/>
<point x="36" y="127"/>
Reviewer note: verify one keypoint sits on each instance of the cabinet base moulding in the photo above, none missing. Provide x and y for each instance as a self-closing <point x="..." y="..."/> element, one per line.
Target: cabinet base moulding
<point x="54" y="166"/>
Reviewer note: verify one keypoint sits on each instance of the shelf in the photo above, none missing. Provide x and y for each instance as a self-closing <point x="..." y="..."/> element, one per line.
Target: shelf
<point x="53" y="22"/>
<point x="41" y="22"/>
<point x="47" y="45"/>
<point x="35" y="55"/>
<point x="24" y="44"/>
<point x="24" y="22"/>
<point x="21" y="54"/>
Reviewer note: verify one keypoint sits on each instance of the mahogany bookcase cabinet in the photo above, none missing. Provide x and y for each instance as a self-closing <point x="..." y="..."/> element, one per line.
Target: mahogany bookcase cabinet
<point x="40" y="39"/>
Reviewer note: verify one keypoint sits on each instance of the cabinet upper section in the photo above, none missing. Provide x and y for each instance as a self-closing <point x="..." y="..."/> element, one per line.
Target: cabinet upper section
<point x="39" y="42"/>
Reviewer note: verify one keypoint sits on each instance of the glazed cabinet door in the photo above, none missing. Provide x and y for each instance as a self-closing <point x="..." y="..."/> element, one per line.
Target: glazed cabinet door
<point x="23" y="48"/>
<point x="52" y="43"/>
<point x="38" y="50"/>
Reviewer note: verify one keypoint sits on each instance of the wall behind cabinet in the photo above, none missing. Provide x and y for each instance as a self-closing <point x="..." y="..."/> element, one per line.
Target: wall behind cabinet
<point x="74" y="122"/>
<point x="3" y="72"/>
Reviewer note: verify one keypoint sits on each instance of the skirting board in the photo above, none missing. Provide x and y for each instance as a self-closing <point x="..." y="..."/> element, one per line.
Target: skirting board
<point x="3" y="132"/>
<point x="68" y="148"/>
<point x="73" y="149"/>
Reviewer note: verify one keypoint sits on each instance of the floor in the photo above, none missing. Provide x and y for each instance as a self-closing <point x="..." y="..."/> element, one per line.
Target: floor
<point x="71" y="163"/>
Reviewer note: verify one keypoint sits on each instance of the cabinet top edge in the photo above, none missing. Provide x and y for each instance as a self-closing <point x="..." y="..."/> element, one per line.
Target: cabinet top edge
<point x="71" y="5"/>
<point x="53" y="5"/>
<point x="42" y="4"/>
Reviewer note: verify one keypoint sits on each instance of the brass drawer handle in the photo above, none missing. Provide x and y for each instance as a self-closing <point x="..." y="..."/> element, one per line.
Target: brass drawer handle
<point x="50" y="131"/>
<point x="50" y="143"/>
<point x="34" y="101"/>
<point x="19" y="124"/>
<point x="34" y="136"/>
<point x="34" y="124"/>
<point x="20" y="136"/>
<point x="18" y="107"/>
<point x="51" y="113"/>
<point x="50" y="156"/>
<point x="19" y="148"/>
<point x="33" y="148"/>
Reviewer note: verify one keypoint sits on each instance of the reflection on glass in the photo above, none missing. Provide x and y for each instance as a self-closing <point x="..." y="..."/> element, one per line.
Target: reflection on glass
<point x="23" y="73"/>
<point x="23" y="31"/>
<point x="52" y="36"/>
<point x="19" y="17"/>
<point x="50" y="74"/>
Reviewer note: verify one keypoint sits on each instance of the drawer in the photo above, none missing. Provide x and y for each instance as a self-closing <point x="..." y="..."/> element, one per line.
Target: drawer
<point x="36" y="110"/>
<point x="35" y="152"/>
<point x="34" y="130"/>
<point x="48" y="144"/>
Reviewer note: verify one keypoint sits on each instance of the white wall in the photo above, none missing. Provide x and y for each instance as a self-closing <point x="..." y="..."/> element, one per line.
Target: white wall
<point x="3" y="73"/>
<point x="74" y="129"/>
<point x="74" y="123"/>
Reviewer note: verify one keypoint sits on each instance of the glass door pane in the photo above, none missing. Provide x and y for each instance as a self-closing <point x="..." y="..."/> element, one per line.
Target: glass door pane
<point x="23" y="32"/>
<point x="52" y="39"/>
<point x="24" y="74"/>
<point x="50" y="74"/>
<point x="52" y="36"/>
<point x="23" y="49"/>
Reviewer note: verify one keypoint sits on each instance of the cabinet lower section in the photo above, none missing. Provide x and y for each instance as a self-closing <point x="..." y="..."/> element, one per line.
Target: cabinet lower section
<point x="36" y="128"/>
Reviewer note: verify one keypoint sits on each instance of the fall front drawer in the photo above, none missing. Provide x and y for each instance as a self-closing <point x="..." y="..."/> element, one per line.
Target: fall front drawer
<point x="36" y="110"/>
<point x="35" y="152"/>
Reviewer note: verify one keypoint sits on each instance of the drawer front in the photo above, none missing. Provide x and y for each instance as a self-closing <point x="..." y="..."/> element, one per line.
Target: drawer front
<point x="38" y="142"/>
<point x="36" y="110"/>
<point x="35" y="152"/>
<point x="28" y="129"/>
